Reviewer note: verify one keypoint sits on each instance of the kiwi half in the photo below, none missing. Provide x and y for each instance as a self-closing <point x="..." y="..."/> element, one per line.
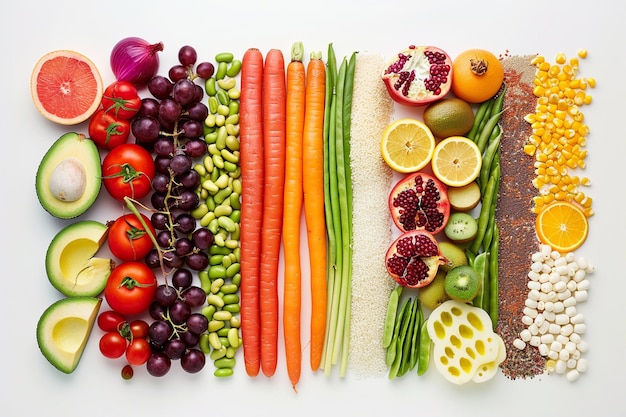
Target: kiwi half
<point x="461" y="227"/>
<point x="462" y="283"/>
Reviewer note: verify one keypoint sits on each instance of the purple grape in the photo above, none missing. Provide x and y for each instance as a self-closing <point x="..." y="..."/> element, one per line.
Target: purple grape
<point x="194" y="296"/>
<point x="165" y="295"/>
<point x="190" y="180"/>
<point x="195" y="148"/>
<point x="190" y="339"/>
<point x="177" y="72"/>
<point x="164" y="147"/>
<point x="149" y="107"/>
<point x="182" y="278"/>
<point x="160" y="182"/>
<point x="202" y="238"/>
<point x="193" y="361"/>
<point x="145" y="128"/>
<point x="158" y="201"/>
<point x="160" y="87"/>
<point x="184" y="223"/>
<point x="205" y="70"/>
<point x="158" y="364"/>
<point x="159" y="220"/>
<point x="198" y="93"/>
<point x="160" y="331"/>
<point x="198" y="111"/>
<point x="171" y="260"/>
<point x="187" y="55"/>
<point x="152" y="259"/>
<point x="162" y="164"/>
<point x="179" y="312"/>
<point x="174" y="349"/>
<point x="197" y="261"/>
<point x="180" y="163"/>
<point x="184" y="92"/>
<point x="188" y="200"/>
<point x="169" y="110"/>
<point x="164" y="238"/>
<point x="183" y="246"/>
<point x="192" y="129"/>
<point x="197" y="323"/>
<point x="157" y="311"/>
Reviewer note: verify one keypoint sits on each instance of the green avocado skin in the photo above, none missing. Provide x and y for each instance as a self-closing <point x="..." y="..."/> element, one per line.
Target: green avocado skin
<point x="74" y="145"/>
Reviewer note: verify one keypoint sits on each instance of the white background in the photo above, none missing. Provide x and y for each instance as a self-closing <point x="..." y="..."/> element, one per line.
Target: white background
<point x="30" y="386"/>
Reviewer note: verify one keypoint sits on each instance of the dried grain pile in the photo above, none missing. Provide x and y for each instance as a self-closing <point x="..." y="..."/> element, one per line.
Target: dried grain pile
<point x="372" y="110"/>
<point x="518" y="238"/>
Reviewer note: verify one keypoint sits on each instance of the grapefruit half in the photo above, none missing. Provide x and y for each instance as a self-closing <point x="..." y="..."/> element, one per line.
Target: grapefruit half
<point x="66" y="87"/>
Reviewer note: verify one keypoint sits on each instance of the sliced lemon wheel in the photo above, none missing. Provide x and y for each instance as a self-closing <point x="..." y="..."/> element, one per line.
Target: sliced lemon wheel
<point x="562" y="225"/>
<point x="407" y="145"/>
<point x="456" y="161"/>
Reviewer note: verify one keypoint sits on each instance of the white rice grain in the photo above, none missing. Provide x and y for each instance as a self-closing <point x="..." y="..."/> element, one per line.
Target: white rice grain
<point x="372" y="109"/>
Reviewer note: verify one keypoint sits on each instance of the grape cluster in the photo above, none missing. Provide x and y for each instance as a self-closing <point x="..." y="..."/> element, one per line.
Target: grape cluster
<point x="170" y="124"/>
<point x="175" y="333"/>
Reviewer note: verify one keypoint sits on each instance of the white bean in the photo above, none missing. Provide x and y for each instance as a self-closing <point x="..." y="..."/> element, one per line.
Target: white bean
<point x="572" y="375"/>
<point x="519" y="343"/>
<point x="581" y="295"/>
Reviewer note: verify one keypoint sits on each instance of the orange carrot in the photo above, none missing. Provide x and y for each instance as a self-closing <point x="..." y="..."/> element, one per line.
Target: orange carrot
<point x="292" y="297"/>
<point x="252" y="171"/>
<point x="274" y="108"/>
<point x="313" y="184"/>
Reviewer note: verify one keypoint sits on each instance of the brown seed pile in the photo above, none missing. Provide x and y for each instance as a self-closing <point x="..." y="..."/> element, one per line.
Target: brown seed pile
<point x="518" y="239"/>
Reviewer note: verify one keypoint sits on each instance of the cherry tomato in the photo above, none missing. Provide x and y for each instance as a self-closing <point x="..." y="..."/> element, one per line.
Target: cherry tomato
<point x="138" y="352"/>
<point x="130" y="288"/>
<point x="121" y="100"/>
<point x="110" y="321"/>
<point x="113" y="345"/>
<point x="139" y="329"/>
<point x="128" y="239"/>
<point x="106" y="131"/>
<point x="127" y="171"/>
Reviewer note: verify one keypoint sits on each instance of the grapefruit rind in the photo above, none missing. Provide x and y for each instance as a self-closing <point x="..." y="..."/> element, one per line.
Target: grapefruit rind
<point x="66" y="87"/>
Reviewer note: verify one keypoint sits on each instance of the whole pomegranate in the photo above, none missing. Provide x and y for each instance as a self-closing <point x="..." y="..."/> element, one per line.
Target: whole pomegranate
<point x="413" y="259"/>
<point x="420" y="201"/>
<point x="418" y="75"/>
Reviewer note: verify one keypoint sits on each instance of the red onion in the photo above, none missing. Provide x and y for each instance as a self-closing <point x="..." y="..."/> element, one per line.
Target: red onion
<point x="135" y="60"/>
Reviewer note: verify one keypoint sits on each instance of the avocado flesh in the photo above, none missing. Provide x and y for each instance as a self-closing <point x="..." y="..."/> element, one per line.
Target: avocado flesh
<point x="70" y="263"/>
<point x="85" y="151"/>
<point x="64" y="328"/>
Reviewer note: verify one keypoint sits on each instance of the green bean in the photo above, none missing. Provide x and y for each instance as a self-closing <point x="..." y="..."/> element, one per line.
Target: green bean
<point x="480" y="266"/>
<point x="483" y="218"/>
<point x="391" y="350"/>
<point x="488" y="157"/>
<point x="492" y="209"/>
<point x="390" y="318"/>
<point x="424" y="351"/>
<point x="405" y="355"/>
<point x="493" y="278"/>
<point x="414" y="356"/>
<point x="485" y="133"/>
<point x="498" y="101"/>
<point x="481" y="111"/>
<point x="481" y="126"/>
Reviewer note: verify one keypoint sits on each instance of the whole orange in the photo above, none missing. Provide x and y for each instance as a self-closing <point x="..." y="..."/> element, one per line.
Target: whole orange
<point x="477" y="75"/>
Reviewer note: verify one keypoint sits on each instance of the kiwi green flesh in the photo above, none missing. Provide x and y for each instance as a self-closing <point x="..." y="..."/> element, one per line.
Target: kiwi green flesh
<point x="461" y="227"/>
<point x="462" y="283"/>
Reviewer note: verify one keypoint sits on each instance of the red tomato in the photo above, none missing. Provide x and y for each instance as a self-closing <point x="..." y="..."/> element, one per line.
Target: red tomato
<point x="139" y="329"/>
<point x="121" y="100"/>
<point x="130" y="288"/>
<point x="110" y="321"/>
<point x="138" y="352"/>
<point x="127" y="171"/>
<point x="106" y="131"/>
<point x="128" y="239"/>
<point x="113" y="345"/>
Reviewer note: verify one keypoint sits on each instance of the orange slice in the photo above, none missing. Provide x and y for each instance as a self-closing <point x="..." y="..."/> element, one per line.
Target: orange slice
<point x="562" y="225"/>
<point x="66" y="87"/>
<point x="407" y="145"/>
<point x="456" y="161"/>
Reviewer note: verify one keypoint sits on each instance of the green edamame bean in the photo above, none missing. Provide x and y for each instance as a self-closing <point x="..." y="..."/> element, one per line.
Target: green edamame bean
<point x="216" y="285"/>
<point x="222" y="195"/>
<point x="235" y="67"/>
<point x="214" y="341"/>
<point x="235" y="322"/>
<point x="232" y="308"/>
<point x="205" y="282"/>
<point x="231" y="142"/>
<point x="227" y="83"/>
<point x="236" y="279"/>
<point x="230" y="299"/>
<point x="234" y="93"/>
<point x="232" y="119"/>
<point x="211" y="137"/>
<point x="222" y="181"/>
<point x="230" y="167"/>
<point x="232" y="270"/>
<point x="219" y="119"/>
<point x="207" y="161"/>
<point x="204" y="345"/>
<point x="199" y="211"/>
<point x="217" y="271"/>
<point x="227" y="261"/>
<point x="222" y="110"/>
<point x="211" y="120"/>
<point x="229" y="156"/>
<point x="226" y="223"/>
<point x="225" y="363"/>
<point x="215" y="300"/>
<point x="220" y="72"/>
<point x="222" y="315"/>
<point x="223" y="372"/>
<point x="223" y="210"/>
<point x="208" y="311"/>
<point x="224" y="100"/>
<point x="229" y="288"/>
<point x="210" y="203"/>
<point x="218" y="161"/>
<point x="224" y="57"/>
<point x="215" y="260"/>
<point x="217" y="353"/>
<point x="210" y="86"/>
<point x="233" y="106"/>
<point x="215" y="325"/>
<point x="200" y="169"/>
<point x="213" y="250"/>
<point x="233" y="337"/>
<point x="213" y="104"/>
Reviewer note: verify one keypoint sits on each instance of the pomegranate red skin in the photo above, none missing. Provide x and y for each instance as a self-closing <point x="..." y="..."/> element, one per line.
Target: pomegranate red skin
<point x="413" y="259"/>
<point x="418" y="75"/>
<point x="419" y="201"/>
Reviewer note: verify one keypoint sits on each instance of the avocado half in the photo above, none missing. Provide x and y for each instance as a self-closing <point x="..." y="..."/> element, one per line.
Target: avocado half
<point x="69" y="176"/>
<point x="71" y="265"/>
<point x="64" y="328"/>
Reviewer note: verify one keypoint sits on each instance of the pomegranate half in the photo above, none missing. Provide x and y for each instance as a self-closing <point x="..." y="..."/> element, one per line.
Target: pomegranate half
<point x="420" y="201"/>
<point x="413" y="259"/>
<point x="418" y="75"/>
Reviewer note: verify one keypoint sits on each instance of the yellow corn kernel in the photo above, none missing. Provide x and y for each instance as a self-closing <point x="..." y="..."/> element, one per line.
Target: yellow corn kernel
<point x="582" y="53"/>
<point x="539" y="91"/>
<point x="560" y="196"/>
<point x="537" y="60"/>
<point x="529" y="149"/>
<point x="587" y="201"/>
<point x="544" y="66"/>
<point x="530" y="118"/>
<point x="579" y="196"/>
<point x="587" y="100"/>
<point x="560" y="58"/>
<point x="585" y="181"/>
<point x="588" y="211"/>
<point x="591" y="82"/>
